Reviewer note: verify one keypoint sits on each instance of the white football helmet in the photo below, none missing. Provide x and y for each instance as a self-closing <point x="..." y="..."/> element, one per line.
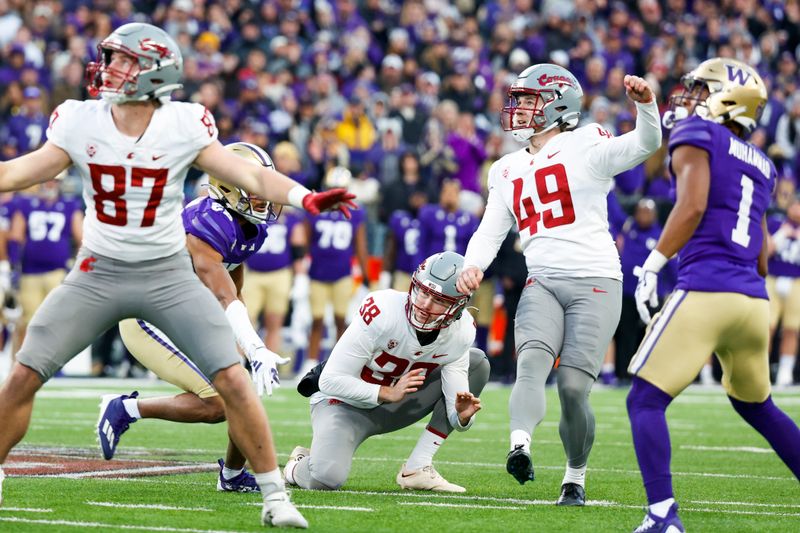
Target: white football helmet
<point x="435" y="279"/>
<point x="160" y="64"/>
<point x="558" y="101"/>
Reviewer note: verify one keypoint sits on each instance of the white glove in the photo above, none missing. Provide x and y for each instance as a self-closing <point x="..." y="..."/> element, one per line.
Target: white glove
<point x="385" y="280"/>
<point x="264" y="364"/>
<point x="5" y="277"/>
<point x="301" y="287"/>
<point x="647" y="288"/>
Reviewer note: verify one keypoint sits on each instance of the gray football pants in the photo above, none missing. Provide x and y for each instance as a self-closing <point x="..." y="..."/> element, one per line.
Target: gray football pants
<point x="100" y="291"/>
<point x="574" y="318"/>
<point x="339" y="428"/>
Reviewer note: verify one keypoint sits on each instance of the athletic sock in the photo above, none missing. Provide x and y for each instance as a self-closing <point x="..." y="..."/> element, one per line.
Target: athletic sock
<point x="427" y="446"/>
<point x="518" y="437"/>
<point x="230" y="473"/>
<point x="132" y="408"/>
<point x="270" y="482"/>
<point x="660" y="509"/>
<point x="575" y="475"/>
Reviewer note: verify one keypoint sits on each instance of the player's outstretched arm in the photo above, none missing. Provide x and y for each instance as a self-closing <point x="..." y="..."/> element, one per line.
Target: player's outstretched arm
<point x="269" y="183"/>
<point x="38" y="166"/>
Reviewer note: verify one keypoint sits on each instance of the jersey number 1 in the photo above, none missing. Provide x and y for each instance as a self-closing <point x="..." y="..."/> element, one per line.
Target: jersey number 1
<point x="114" y="196"/>
<point x="530" y="219"/>
<point x="741" y="233"/>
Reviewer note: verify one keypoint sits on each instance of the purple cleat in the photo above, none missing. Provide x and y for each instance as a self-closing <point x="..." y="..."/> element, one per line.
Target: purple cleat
<point x="669" y="524"/>
<point x="113" y="422"/>
<point x="244" y="482"/>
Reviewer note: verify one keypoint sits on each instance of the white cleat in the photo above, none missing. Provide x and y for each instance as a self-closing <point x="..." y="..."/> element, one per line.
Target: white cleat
<point x="2" y="478"/>
<point x="426" y="478"/>
<point x="288" y="471"/>
<point x="278" y="511"/>
<point x="784" y="379"/>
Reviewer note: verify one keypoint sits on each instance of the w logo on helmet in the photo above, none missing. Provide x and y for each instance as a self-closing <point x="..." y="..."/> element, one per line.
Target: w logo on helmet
<point x="738" y="75"/>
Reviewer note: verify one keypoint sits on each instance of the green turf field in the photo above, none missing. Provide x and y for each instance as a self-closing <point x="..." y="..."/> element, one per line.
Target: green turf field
<point x="726" y="477"/>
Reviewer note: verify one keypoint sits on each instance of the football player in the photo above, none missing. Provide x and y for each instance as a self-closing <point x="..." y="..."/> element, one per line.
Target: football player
<point x="405" y="355"/>
<point x="783" y="287"/>
<point x="555" y="191"/>
<point x="45" y="229"/>
<point x="334" y="240"/>
<point x="223" y="229"/>
<point x="132" y="149"/>
<point x="720" y="305"/>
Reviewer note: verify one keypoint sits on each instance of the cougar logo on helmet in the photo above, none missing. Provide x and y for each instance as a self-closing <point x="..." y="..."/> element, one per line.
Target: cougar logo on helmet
<point x="253" y="208"/>
<point x="149" y="45"/>
<point x="544" y="80"/>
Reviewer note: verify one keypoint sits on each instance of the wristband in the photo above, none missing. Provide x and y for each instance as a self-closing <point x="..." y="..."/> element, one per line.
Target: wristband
<point x="296" y="195"/>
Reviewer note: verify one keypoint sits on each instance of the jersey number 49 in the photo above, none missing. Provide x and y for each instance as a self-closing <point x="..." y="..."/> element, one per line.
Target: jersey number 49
<point x="530" y="219"/>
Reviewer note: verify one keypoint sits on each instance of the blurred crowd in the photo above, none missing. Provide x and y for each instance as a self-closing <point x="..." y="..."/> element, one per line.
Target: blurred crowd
<point x="408" y="95"/>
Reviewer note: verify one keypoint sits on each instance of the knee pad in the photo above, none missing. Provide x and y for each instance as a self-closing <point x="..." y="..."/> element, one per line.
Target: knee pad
<point x="329" y="473"/>
<point x="478" y="362"/>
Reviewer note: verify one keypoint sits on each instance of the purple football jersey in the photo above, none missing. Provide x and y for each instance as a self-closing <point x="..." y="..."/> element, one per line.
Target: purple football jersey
<point x="48" y="238"/>
<point x="786" y="261"/>
<point x="722" y="255"/>
<point x="405" y="229"/>
<point x="209" y="221"/>
<point x="276" y="252"/>
<point x="443" y="231"/>
<point x="332" y="244"/>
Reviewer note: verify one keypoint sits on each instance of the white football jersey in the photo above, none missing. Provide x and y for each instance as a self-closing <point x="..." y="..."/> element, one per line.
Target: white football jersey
<point x="380" y="345"/>
<point x="557" y="199"/>
<point x="132" y="188"/>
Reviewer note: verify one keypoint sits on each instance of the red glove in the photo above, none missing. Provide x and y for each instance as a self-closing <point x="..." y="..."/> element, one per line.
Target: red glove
<point x="339" y="199"/>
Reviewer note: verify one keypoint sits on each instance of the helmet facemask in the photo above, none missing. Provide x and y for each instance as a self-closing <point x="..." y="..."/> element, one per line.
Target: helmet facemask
<point x="154" y="72"/>
<point x="253" y="208"/>
<point x="537" y="124"/>
<point x="427" y="309"/>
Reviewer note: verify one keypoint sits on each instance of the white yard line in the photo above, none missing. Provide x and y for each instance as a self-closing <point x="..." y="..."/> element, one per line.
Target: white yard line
<point x="25" y="509"/>
<point x="748" y="504"/>
<point x="328" y="507"/>
<point x="154" y="507"/>
<point x="451" y="496"/>
<point x="733" y="449"/>
<point x="733" y="511"/>
<point x="463" y="506"/>
<point x="182" y="469"/>
<point x="72" y="523"/>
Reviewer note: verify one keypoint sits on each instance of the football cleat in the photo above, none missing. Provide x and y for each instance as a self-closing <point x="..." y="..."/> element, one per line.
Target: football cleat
<point x="244" y="482"/>
<point x="288" y="471"/>
<point x="309" y="383"/>
<point x="572" y="495"/>
<point x="113" y="422"/>
<point x="278" y="511"/>
<point x="519" y="464"/>
<point x="425" y="478"/>
<point x="655" y="524"/>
